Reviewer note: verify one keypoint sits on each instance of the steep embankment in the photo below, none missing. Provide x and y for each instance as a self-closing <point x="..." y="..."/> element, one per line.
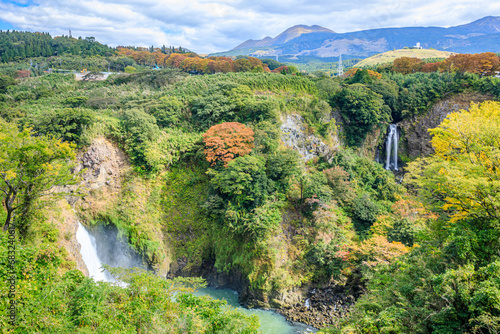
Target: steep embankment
<point x="103" y="169"/>
<point x="415" y="138"/>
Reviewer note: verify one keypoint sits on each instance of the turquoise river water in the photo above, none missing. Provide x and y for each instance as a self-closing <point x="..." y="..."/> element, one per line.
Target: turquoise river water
<point x="270" y="321"/>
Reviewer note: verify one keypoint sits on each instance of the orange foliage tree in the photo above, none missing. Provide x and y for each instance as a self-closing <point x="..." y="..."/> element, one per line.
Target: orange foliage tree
<point x="352" y="71"/>
<point x="430" y="67"/>
<point x="486" y="63"/>
<point x="406" y="65"/>
<point x="226" y="141"/>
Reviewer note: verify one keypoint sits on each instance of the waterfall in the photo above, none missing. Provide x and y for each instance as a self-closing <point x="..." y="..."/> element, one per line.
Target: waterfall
<point x="105" y="245"/>
<point x="88" y="251"/>
<point x="391" y="148"/>
<point x="307" y="303"/>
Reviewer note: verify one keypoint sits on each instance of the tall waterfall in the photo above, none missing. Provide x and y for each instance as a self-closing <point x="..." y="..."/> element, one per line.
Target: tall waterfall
<point x="89" y="255"/>
<point x="105" y="245"/>
<point x="391" y="147"/>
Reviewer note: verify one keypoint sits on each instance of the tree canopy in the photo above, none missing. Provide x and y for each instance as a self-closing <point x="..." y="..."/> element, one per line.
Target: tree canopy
<point x="30" y="166"/>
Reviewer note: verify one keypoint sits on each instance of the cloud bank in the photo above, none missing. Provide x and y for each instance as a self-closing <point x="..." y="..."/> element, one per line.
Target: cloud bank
<point x="217" y="25"/>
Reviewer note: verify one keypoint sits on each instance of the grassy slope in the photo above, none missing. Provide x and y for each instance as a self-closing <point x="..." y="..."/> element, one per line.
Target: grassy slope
<point x="389" y="56"/>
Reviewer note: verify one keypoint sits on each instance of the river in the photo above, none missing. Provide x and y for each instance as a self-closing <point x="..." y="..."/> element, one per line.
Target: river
<point x="104" y="246"/>
<point x="270" y="321"/>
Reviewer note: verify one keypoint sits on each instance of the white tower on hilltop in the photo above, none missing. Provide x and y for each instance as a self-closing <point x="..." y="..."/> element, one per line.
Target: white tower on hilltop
<point x="340" y="70"/>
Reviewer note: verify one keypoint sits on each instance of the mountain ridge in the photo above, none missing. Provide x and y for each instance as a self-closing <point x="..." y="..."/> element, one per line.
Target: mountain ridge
<point x="481" y="35"/>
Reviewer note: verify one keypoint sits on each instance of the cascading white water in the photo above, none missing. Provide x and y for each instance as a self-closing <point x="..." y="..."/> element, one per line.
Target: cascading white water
<point x="391" y="148"/>
<point x="89" y="255"/>
<point x="307" y="303"/>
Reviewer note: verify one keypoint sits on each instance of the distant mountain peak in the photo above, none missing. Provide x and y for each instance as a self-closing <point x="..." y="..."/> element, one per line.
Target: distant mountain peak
<point x="285" y="36"/>
<point x="297" y="31"/>
<point x="482" y="35"/>
<point x="485" y="25"/>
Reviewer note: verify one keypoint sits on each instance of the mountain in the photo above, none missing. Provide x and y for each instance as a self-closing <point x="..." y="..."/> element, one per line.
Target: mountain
<point x="284" y="37"/>
<point x="479" y="36"/>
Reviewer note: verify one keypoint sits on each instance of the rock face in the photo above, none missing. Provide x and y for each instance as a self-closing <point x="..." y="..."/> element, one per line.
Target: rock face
<point x="321" y="307"/>
<point x="295" y="136"/>
<point x="103" y="165"/>
<point x="415" y="139"/>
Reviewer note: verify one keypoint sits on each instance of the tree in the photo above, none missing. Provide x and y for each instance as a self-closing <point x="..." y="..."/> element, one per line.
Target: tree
<point x="226" y="141"/>
<point x="67" y="124"/>
<point x="361" y="108"/>
<point x="5" y="81"/>
<point x="406" y="65"/>
<point x="139" y="129"/>
<point x="463" y="176"/>
<point x="244" y="182"/>
<point x="30" y="166"/>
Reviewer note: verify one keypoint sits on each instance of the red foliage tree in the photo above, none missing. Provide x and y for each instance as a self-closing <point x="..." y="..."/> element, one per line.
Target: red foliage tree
<point x="226" y="141"/>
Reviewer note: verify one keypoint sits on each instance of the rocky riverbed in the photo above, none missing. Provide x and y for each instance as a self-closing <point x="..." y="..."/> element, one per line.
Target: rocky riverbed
<point x="322" y="307"/>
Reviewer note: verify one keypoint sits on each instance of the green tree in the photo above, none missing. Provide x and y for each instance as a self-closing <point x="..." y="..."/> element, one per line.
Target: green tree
<point x="5" y="81"/>
<point x="139" y="128"/>
<point x="244" y="182"/>
<point x="361" y="108"/>
<point x="30" y="166"/>
<point x="67" y="124"/>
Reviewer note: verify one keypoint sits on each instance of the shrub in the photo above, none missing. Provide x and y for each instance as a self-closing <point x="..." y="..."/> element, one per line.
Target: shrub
<point x="364" y="213"/>
<point x="67" y="124"/>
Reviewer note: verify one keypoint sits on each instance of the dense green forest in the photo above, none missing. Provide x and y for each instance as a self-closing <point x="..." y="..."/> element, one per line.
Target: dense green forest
<point x="212" y="182"/>
<point x="18" y="45"/>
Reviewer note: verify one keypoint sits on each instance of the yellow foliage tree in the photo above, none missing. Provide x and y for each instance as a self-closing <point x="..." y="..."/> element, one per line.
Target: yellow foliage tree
<point x="463" y="176"/>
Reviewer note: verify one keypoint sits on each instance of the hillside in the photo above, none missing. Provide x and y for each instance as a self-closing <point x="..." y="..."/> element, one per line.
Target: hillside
<point x="482" y="35"/>
<point x="389" y="56"/>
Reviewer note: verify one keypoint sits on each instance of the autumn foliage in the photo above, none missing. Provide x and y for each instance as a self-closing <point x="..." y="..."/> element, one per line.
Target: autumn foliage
<point x="190" y="62"/>
<point x="226" y="141"/>
<point x="351" y="72"/>
<point x="484" y="64"/>
<point x="406" y="65"/>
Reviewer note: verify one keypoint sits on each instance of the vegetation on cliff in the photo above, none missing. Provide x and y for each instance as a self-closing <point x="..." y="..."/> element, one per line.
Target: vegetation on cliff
<point x="213" y="186"/>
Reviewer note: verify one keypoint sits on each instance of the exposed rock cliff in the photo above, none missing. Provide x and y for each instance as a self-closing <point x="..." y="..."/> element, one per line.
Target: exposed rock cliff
<point x="295" y="136"/>
<point x="102" y="165"/>
<point x="415" y="138"/>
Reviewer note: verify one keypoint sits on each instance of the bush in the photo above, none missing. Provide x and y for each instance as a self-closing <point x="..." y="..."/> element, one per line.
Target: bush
<point x="402" y="231"/>
<point x="75" y="101"/>
<point x="67" y="124"/>
<point x="6" y="81"/>
<point x="170" y="112"/>
<point x="139" y="128"/>
<point x="364" y="213"/>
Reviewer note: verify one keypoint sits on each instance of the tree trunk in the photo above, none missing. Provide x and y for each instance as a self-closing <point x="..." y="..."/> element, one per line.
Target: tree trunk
<point x="7" y="220"/>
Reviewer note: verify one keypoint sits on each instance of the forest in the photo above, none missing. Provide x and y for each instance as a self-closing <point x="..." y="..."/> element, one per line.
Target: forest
<point x="215" y="180"/>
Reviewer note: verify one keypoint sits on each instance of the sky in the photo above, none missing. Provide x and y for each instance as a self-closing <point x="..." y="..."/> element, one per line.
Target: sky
<point x="206" y="26"/>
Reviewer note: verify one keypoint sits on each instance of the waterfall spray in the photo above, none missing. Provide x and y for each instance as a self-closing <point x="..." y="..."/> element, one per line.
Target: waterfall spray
<point x="391" y="147"/>
<point x="104" y="245"/>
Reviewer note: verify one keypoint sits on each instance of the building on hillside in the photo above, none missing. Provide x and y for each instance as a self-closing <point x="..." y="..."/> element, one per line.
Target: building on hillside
<point x="417" y="46"/>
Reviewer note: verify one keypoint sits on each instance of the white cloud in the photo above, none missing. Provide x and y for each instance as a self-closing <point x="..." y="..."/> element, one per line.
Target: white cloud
<point x="216" y="25"/>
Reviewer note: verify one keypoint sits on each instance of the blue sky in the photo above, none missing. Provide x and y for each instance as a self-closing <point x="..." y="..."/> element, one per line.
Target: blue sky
<point x="5" y="25"/>
<point x="217" y="25"/>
